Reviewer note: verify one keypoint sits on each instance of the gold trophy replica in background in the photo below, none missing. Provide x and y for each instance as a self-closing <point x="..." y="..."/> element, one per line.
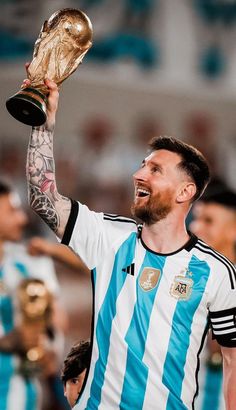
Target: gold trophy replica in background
<point x="35" y="306"/>
<point x="61" y="46"/>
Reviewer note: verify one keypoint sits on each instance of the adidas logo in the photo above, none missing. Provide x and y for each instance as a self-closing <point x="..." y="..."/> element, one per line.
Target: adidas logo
<point x="129" y="269"/>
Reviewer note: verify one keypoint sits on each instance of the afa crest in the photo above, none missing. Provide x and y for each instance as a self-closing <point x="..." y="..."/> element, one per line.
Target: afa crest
<point x="181" y="288"/>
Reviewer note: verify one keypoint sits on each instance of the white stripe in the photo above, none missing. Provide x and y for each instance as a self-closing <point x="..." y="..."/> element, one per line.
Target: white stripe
<point x="197" y="330"/>
<point x="162" y="314"/>
<point x="201" y="379"/>
<point x="16" y="395"/>
<point x="221" y="319"/>
<point x="222" y="325"/>
<point x="113" y="382"/>
<point x="101" y="290"/>
<point x="224" y="332"/>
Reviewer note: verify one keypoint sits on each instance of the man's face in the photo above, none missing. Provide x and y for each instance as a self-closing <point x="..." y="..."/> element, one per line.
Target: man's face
<point x="214" y="223"/>
<point x="157" y="184"/>
<point x="73" y="387"/>
<point x="12" y="218"/>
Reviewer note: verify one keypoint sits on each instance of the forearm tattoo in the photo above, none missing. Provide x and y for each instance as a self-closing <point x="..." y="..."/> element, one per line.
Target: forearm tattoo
<point x="43" y="195"/>
<point x="44" y="207"/>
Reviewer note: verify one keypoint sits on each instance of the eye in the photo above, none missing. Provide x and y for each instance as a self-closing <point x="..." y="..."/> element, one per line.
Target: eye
<point x="154" y="169"/>
<point x="74" y="380"/>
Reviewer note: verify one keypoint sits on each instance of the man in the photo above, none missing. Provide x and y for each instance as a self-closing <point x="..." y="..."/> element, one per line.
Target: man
<point x="214" y="221"/>
<point x="156" y="288"/>
<point x="19" y="387"/>
<point x="74" y="370"/>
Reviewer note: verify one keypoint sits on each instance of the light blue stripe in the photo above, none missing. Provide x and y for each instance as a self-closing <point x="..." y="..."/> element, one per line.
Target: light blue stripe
<point x="173" y="374"/>
<point x="123" y="258"/>
<point x="22" y="269"/>
<point x="31" y="395"/>
<point x="6" y="360"/>
<point x="31" y="391"/>
<point x="136" y="374"/>
<point x="212" y="389"/>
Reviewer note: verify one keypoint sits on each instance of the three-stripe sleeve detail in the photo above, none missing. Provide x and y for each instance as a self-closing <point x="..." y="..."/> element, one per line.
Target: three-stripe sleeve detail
<point x="229" y="266"/>
<point x="118" y="218"/>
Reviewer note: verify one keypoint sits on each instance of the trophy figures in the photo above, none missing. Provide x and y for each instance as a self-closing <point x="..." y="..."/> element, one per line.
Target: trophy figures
<point x="35" y="305"/>
<point x="62" y="43"/>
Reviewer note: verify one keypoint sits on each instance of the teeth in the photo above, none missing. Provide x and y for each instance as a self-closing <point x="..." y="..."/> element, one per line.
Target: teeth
<point x="143" y="191"/>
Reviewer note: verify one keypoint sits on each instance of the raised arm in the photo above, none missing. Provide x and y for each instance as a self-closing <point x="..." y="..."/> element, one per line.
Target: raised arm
<point x="44" y="197"/>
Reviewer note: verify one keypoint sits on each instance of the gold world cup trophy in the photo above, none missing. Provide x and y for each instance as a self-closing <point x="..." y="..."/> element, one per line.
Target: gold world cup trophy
<point x="61" y="46"/>
<point x="35" y="308"/>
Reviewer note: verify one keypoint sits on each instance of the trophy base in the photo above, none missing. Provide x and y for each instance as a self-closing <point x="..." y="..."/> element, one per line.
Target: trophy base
<point x="28" y="106"/>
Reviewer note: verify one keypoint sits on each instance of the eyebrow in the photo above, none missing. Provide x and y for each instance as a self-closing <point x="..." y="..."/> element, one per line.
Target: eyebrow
<point x="153" y="163"/>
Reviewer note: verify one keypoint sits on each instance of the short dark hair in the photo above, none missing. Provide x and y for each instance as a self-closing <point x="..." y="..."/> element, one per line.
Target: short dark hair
<point x="225" y="198"/>
<point x="192" y="161"/>
<point x="5" y="187"/>
<point x="77" y="360"/>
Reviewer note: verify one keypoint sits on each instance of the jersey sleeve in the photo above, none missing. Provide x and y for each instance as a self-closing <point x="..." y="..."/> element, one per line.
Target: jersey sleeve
<point x="43" y="268"/>
<point x="91" y="234"/>
<point x="222" y="312"/>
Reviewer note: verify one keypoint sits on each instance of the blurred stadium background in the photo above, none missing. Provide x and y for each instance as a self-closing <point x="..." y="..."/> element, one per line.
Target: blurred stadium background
<point x="156" y="67"/>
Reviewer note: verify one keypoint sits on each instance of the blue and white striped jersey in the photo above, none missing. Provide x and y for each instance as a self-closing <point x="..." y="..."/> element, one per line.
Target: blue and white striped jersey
<point x="17" y="392"/>
<point x="151" y="313"/>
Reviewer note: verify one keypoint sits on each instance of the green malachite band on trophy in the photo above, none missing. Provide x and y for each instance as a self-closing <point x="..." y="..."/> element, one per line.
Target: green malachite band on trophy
<point x="35" y="91"/>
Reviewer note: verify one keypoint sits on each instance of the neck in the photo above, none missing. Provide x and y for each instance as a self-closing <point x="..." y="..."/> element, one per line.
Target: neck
<point x="166" y="236"/>
<point x="228" y="250"/>
<point x="1" y="250"/>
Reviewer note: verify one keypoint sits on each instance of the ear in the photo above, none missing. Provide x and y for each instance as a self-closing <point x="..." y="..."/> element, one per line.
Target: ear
<point x="65" y="392"/>
<point x="232" y="229"/>
<point x="186" y="192"/>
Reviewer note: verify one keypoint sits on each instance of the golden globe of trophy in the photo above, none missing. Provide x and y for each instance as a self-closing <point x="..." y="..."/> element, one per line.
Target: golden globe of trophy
<point x="35" y="308"/>
<point x="61" y="46"/>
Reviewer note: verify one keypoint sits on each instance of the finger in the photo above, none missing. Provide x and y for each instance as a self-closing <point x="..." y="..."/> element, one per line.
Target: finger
<point x="27" y="66"/>
<point x="25" y="83"/>
<point x="50" y="84"/>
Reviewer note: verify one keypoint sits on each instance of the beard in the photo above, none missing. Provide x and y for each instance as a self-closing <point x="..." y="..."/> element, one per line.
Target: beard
<point x="154" y="210"/>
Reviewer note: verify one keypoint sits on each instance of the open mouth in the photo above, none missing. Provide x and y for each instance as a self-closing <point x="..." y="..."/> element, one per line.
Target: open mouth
<point x="142" y="193"/>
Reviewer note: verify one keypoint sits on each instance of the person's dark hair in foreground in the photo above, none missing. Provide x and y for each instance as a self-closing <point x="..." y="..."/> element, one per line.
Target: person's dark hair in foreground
<point x="74" y="368"/>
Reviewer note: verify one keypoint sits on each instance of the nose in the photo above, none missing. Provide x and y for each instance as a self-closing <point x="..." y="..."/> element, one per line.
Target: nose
<point x="22" y="217"/>
<point x="140" y="175"/>
<point x="196" y="227"/>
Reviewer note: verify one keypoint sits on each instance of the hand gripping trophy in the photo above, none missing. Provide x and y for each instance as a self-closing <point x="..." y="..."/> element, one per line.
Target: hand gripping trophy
<point x="61" y="46"/>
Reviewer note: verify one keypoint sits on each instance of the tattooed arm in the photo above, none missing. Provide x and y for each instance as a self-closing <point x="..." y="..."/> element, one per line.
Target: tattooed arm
<point x="44" y="198"/>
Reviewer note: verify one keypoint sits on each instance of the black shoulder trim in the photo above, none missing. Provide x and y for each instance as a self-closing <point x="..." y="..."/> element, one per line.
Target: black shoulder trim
<point x="118" y="218"/>
<point x="71" y="222"/>
<point x="191" y="242"/>
<point x="201" y="246"/>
